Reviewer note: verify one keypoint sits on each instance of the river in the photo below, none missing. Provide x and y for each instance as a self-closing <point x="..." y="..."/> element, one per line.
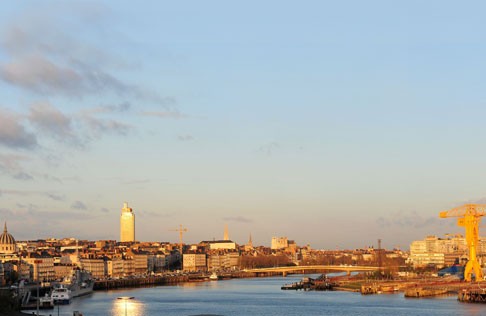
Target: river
<point x="258" y="297"/>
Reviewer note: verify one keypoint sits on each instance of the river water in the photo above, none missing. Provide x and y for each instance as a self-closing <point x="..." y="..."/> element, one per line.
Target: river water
<point x="258" y="297"/>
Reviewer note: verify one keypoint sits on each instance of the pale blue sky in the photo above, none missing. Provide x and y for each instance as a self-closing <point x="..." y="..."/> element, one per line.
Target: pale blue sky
<point x="332" y="123"/>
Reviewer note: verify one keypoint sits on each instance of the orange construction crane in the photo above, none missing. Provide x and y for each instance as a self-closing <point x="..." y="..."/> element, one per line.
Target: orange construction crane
<point x="469" y="217"/>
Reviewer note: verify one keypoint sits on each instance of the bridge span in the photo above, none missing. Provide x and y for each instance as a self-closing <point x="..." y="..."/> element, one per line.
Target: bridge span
<point x="303" y="269"/>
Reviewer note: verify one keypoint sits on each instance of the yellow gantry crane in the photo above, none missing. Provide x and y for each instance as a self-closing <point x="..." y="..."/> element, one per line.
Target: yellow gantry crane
<point x="469" y="216"/>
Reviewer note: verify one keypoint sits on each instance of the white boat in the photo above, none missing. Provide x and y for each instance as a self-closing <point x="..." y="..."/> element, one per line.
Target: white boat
<point x="46" y="302"/>
<point x="79" y="283"/>
<point x="213" y="276"/>
<point x="61" y="295"/>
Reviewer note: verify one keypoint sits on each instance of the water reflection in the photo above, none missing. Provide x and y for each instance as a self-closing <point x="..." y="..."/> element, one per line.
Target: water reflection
<point x="127" y="306"/>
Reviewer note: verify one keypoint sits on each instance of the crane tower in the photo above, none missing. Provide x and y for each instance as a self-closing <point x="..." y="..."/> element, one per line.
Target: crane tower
<point x="181" y="231"/>
<point x="469" y="216"/>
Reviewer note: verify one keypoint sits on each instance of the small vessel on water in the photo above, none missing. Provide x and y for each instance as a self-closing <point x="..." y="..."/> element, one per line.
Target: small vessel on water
<point x="213" y="277"/>
<point x="46" y="302"/>
<point x="61" y="295"/>
<point x="79" y="283"/>
<point x="322" y="283"/>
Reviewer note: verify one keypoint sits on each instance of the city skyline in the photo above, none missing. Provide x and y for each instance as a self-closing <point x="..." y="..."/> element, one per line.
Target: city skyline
<point x="333" y="124"/>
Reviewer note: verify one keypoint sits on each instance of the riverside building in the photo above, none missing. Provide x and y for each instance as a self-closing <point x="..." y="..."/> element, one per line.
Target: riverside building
<point x="441" y="252"/>
<point x="127" y="224"/>
<point x="279" y="243"/>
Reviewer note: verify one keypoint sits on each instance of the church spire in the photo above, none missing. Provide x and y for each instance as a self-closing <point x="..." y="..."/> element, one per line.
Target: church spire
<point x="226" y="235"/>
<point x="5" y="227"/>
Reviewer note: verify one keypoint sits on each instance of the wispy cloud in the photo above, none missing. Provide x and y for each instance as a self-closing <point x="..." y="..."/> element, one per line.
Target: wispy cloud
<point x="481" y="200"/>
<point x="24" y="193"/>
<point x="152" y="214"/>
<point x="166" y="114"/>
<point x="38" y="74"/>
<point x="28" y="216"/>
<point x="119" y="108"/>
<point x="239" y="219"/>
<point x="136" y="181"/>
<point x="19" y="192"/>
<point x="6" y="213"/>
<point x="56" y="197"/>
<point x="104" y="210"/>
<point x="43" y="57"/>
<point x="10" y="165"/>
<point x="269" y="148"/>
<point x="22" y="176"/>
<point x="409" y="220"/>
<point x="11" y="161"/>
<point x="78" y="205"/>
<point x="185" y="138"/>
<point x="96" y="127"/>
<point x="51" y="121"/>
<point x="48" y="177"/>
<point x="13" y="133"/>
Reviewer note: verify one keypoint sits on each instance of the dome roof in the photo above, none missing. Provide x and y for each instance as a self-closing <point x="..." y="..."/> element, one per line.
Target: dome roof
<point x="6" y="238"/>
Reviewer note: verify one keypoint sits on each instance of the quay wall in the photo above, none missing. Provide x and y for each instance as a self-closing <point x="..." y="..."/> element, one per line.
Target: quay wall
<point x="139" y="282"/>
<point x="101" y="285"/>
<point x="472" y="295"/>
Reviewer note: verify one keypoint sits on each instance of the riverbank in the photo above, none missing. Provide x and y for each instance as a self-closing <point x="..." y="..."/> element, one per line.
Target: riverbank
<point x="358" y="283"/>
<point x="412" y="288"/>
<point x="256" y="297"/>
<point x="109" y="284"/>
<point x="424" y="287"/>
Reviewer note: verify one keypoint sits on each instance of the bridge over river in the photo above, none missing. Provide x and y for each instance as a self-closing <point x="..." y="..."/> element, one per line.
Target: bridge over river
<point x="315" y="268"/>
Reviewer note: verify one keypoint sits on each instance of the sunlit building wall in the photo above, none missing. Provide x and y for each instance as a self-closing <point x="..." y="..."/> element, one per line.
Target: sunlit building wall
<point x="439" y="251"/>
<point x="63" y="270"/>
<point x="114" y="267"/>
<point x="95" y="266"/>
<point x="140" y="261"/>
<point x="43" y="267"/>
<point x="425" y="259"/>
<point x="128" y="267"/>
<point x="127" y="224"/>
<point x="222" y="244"/>
<point x="279" y="243"/>
<point x="194" y="262"/>
<point x="224" y="261"/>
<point x="156" y="262"/>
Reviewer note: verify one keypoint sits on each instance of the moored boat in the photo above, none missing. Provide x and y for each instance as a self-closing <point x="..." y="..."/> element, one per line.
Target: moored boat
<point x="79" y="283"/>
<point x="83" y="283"/>
<point x="46" y="302"/>
<point x="61" y="295"/>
